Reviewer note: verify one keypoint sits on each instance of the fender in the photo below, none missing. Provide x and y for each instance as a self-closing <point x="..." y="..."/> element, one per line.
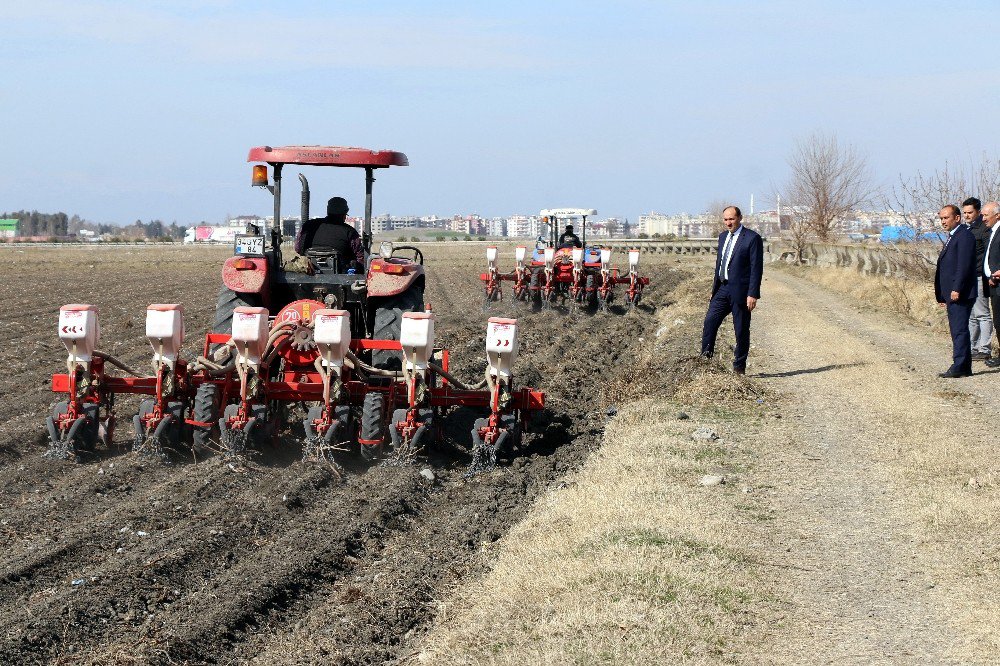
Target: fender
<point x="245" y="275"/>
<point x="388" y="277"/>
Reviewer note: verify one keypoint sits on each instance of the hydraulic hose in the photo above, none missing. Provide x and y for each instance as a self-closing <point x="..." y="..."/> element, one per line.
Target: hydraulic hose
<point x="115" y="362"/>
<point x="455" y="380"/>
<point x="358" y="363"/>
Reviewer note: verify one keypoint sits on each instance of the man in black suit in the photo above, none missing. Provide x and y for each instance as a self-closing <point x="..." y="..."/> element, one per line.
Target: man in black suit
<point x="955" y="287"/>
<point x="739" y="267"/>
<point x="991" y="266"/>
<point x="980" y="324"/>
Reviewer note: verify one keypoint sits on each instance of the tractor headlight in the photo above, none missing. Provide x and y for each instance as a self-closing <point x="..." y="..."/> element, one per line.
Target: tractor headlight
<point x="385" y="249"/>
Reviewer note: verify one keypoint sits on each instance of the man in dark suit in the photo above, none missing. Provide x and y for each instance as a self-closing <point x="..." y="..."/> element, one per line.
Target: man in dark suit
<point x="955" y="287"/>
<point x="739" y="267"/>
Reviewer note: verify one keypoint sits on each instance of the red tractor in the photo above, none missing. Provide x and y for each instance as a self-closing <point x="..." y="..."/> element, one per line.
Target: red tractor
<point x="564" y="270"/>
<point x="357" y="346"/>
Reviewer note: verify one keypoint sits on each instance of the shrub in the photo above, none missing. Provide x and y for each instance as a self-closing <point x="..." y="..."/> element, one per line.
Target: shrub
<point x="414" y="239"/>
<point x="401" y="239"/>
<point x="439" y="238"/>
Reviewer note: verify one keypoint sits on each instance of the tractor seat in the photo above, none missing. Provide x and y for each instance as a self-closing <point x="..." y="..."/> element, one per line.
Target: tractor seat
<point x="325" y="260"/>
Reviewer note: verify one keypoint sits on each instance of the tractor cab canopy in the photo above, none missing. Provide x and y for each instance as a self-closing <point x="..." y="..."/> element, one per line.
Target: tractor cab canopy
<point x="568" y="212"/>
<point x="555" y="217"/>
<point x="336" y="156"/>
<point x="341" y="156"/>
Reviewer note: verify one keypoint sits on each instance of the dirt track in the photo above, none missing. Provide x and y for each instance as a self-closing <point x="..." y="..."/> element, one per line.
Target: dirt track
<point x="118" y="560"/>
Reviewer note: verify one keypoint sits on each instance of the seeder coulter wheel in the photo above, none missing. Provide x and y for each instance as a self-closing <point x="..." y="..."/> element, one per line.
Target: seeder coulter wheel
<point x="81" y="437"/>
<point x="404" y="451"/>
<point x="166" y="435"/>
<point x="236" y="442"/>
<point x="321" y="447"/>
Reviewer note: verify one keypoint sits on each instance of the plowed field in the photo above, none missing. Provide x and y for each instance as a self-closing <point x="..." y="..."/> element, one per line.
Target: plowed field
<point x="121" y="560"/>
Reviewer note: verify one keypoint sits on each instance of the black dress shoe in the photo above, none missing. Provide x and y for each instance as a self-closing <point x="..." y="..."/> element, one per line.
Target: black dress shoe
<point x="739" y="371"/>
<point x="951" y="374"/>
<point x="993" y="363"/>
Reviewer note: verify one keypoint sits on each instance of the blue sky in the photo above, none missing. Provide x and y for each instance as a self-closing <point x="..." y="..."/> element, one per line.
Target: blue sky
<point x="138" y="110"/>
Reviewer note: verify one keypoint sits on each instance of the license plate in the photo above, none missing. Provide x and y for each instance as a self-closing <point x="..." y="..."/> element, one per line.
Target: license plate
<point x="250" y="246"/>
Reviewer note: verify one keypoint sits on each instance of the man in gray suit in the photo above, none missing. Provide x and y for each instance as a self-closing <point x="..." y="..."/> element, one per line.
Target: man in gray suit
<point x="980" y="323"/>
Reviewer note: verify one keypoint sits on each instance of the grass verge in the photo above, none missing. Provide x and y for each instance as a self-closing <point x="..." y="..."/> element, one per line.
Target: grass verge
<point x="630" y="560"/>
<point x="910" y="298"/>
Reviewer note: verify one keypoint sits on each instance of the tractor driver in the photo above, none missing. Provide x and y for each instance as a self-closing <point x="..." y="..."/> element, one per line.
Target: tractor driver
<point x="333" y="234"/>
<point x="569" y="239"/>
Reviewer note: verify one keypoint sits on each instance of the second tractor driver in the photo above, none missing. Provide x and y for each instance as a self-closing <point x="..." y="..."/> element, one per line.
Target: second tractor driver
<point x="333" y="234"/>
<point x="569" y="239"/>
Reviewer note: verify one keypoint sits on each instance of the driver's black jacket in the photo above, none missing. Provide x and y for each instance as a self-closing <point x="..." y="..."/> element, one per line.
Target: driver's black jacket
<point x="323" y="234"/>
<point x="570" y="240"/>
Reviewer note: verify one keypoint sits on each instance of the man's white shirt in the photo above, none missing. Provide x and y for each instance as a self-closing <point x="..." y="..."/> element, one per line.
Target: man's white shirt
<point x="727" y="252"/>
<point x="986" y="256"/>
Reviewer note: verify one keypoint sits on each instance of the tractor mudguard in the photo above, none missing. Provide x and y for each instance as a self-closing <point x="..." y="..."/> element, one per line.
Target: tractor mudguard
<point x="245" y="275"/>
<point x="390" y="278"/>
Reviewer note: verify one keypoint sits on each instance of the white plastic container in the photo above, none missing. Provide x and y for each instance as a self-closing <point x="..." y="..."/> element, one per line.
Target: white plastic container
<point x="577" y="256"/>
<point x="165" y="331"/>
<point x="605" y="256"/>
<point x="633" y="260"/>
<point x="332" y="333"/>
<point x="519" y="253"/>
<point x="491" y="255"/>
<point x="501" y="345"/>
<point x="250" y="331"/>
<point x="79" y="331"/>
<point x="550" y="255"/>
<point x="416" y="336"/>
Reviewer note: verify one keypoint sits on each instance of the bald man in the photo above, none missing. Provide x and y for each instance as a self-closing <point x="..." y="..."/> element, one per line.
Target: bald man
<point x="991" y="266"/>
<point x="739" y="267"/>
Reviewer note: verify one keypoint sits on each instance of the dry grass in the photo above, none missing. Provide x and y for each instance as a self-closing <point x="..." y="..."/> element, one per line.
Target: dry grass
<point x="912" y="299"/>
<point x="631" y="561"/>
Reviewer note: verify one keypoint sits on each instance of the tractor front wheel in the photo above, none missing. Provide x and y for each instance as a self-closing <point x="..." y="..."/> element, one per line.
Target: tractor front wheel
<point x="372" y="426"/>
<point x="389" y="322"/>
<point x="227" y="303"/>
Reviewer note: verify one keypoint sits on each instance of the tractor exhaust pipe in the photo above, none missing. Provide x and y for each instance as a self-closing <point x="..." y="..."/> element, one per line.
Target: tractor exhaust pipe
<point x="304" y="214"/>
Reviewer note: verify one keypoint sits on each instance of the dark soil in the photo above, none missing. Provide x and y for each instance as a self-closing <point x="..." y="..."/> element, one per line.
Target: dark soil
<point x="118" y="559"/>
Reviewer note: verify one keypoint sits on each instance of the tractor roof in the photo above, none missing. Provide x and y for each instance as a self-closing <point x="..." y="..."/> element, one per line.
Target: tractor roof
<point x="568" y="212"/>
<point x="341" y="156"/>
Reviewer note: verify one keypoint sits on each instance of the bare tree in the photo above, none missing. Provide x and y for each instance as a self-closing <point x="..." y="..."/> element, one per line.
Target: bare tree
<point x="918" y="199"/>
<point x="829" y="179"/>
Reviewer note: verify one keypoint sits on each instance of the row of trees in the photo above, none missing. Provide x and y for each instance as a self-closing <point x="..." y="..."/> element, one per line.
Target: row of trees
<point x="830" y="179"/>
<point x="58" y="225"/>
<point x="40" y="224"/>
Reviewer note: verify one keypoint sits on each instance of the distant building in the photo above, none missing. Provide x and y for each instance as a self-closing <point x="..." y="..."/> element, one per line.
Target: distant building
<point x="8" y="228"/>
<point x="522" y="226"/>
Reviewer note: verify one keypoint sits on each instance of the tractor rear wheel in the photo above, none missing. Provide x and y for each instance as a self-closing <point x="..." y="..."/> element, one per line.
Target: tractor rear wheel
<point x="228" y="301"/>
<point x="389" y="322"/>
<point x="372" y="414"/>
<point x="534" y="286"/>
<point x="205" y="410"/>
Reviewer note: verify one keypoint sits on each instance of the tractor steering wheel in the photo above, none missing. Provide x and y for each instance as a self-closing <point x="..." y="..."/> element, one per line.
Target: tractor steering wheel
<point x="418" y="256"/>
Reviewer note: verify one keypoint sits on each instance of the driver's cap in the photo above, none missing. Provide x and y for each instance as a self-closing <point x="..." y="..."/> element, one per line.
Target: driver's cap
<point x="337" y="206"/>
